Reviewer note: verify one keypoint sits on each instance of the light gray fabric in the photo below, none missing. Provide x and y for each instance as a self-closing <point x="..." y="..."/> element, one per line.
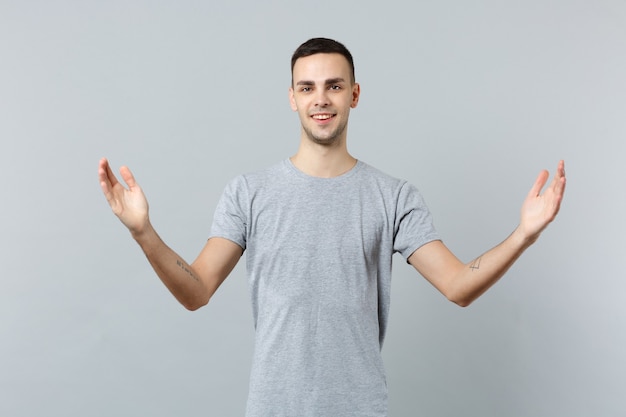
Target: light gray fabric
<point x="319" y="254"/>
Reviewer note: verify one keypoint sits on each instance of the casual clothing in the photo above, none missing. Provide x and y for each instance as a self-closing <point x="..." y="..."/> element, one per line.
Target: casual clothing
<point x="319" y="255"/>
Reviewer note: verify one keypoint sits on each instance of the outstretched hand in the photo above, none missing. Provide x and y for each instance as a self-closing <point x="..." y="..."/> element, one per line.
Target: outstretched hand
<point x="128" y="204"/>
<point x="539" y="209"/>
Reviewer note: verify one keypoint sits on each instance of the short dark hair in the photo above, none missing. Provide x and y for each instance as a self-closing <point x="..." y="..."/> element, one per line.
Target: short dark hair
<point x="322" y="46"/>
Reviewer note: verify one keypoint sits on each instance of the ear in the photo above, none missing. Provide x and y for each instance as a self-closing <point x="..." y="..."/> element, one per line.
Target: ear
<point x="292" y="100"/>
<point x="356" y="93"/>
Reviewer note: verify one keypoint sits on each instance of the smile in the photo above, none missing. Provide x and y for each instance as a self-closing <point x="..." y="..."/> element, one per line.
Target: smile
<point x="323" y="116"/>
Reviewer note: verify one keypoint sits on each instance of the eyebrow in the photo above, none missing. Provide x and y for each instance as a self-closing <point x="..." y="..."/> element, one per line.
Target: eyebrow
<point x="327" y="82"/>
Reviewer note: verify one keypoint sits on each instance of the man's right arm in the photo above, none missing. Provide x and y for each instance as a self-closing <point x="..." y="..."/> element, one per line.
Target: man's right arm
<point x="192" y="285"/>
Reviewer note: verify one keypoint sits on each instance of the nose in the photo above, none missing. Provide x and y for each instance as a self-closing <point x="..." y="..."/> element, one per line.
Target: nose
<point x="321" y="98"/>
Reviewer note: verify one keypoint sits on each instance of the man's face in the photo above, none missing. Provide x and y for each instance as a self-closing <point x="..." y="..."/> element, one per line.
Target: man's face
<point x="323" y="93"/>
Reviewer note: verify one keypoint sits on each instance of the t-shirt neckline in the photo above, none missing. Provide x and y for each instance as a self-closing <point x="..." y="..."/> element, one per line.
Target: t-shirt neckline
<point x="352" y="171"/>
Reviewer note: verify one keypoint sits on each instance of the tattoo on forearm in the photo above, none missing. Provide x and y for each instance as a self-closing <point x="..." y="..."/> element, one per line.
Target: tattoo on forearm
<point x="187" y="270"/>
<point x="475" y="265"/>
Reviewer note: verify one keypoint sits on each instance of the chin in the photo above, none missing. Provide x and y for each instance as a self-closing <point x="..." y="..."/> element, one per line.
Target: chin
<point x="327" y="140"/>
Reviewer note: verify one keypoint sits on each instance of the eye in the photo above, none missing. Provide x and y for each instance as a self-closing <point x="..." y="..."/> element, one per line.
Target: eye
<point x="335" y="87"/>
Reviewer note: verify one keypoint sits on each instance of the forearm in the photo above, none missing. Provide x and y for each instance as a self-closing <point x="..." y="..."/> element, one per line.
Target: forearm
<point x="477" y="276"/>
<point x="177" y="275"/>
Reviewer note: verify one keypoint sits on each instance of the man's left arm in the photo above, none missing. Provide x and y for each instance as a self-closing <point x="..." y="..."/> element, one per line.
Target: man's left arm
<point x="463" y="283"/>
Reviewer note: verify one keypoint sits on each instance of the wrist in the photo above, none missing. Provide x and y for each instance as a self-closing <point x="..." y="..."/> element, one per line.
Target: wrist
<point x="142" y="234"/>
<point x="522" y="238"/>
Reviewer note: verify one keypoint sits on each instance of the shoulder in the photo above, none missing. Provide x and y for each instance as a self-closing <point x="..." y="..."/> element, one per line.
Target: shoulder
<point x="380" y="178"/>
<point x="396" y="189"/>
<point x="254" y="179"/>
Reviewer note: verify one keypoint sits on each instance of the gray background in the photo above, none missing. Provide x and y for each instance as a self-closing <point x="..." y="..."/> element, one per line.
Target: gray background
<point x="469" y="100"/>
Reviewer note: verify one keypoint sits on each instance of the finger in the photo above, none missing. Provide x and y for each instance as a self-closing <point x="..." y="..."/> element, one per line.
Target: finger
<point x="539" y="183"/>
<point x="128" y="177"/>
<point x="558" y="183"/>
<point x="559" y="188"/>
<point x="563" y="179"/>
<point x="102" y="164"/>
<point x="106" y="176"/>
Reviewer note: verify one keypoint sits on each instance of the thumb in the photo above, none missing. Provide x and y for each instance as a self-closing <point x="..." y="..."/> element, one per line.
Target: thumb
<point x="539" y="183"/>
<point x="128" y="177"/>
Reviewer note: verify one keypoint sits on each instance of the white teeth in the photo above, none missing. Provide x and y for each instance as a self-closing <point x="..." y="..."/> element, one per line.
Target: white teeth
<point x="321" y="116"/>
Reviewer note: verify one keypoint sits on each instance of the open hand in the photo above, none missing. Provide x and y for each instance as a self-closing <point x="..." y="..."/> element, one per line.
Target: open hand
<point x="128" y="204"/>
<point x="539" y="209"/>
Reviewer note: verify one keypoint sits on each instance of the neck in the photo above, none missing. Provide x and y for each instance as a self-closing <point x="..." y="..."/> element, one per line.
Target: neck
<point x="323" y="161"/>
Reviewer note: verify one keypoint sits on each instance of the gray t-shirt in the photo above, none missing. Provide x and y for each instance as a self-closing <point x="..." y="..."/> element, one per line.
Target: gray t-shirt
<point x="319" y="255"/>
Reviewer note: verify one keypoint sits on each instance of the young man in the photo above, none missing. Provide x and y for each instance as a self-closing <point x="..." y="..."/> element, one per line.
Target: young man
<point x="320" y="229"/>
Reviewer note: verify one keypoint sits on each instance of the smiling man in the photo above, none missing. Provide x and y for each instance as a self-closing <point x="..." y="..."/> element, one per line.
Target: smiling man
<point x="323" y="104"/>
<point x="320" y="229"/>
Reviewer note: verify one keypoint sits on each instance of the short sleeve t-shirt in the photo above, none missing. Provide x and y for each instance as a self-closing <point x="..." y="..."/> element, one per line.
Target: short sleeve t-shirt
<point x="319" y="256"/>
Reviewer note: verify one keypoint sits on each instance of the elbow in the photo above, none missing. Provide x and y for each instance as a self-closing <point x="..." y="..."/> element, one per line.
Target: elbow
<point x="193" y="305"/>
<point x="461" y="300"/>
<point x="462" y="296"/>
